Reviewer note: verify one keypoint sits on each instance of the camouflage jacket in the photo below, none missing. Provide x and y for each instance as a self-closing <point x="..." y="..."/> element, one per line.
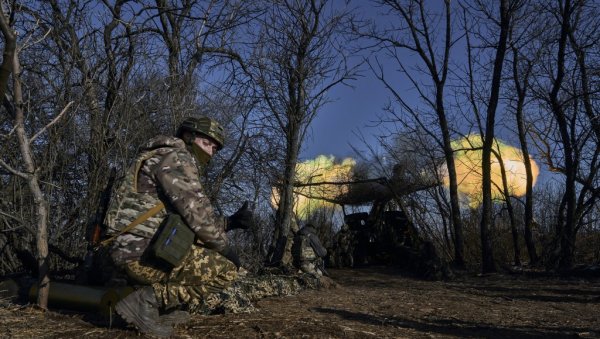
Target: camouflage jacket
<point x="307" y="246"/>
<point x="169" y="173"/>
<point x="344" y="240"/>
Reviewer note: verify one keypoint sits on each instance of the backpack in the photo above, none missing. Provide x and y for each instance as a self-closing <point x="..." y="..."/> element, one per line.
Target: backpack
<point x="302" y="249"/>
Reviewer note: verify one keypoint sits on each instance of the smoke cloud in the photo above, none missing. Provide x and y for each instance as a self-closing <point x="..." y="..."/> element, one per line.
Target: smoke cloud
<point x="319" y="170"/>
<point x="467" y="157"/>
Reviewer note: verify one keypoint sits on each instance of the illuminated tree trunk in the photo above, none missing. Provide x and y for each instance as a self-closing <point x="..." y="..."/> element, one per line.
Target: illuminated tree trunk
<point x="31" y="173"/>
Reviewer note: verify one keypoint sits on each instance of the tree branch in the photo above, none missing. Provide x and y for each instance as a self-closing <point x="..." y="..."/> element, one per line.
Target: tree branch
<point x="51" y="122"/>
<point x="13" y="171"/>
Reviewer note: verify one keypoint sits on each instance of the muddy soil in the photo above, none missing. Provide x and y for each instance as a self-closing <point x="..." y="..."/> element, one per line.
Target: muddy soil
<point x="372" y="303"/>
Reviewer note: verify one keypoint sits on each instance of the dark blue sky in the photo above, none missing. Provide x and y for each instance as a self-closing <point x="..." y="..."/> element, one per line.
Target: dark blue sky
<point x="334" y="129"/>
<point x="357" y="110"/>
<point x="352" y="111"/>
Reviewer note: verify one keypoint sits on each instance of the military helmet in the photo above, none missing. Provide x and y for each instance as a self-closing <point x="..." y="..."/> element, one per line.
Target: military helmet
<point x="205" y="126"/>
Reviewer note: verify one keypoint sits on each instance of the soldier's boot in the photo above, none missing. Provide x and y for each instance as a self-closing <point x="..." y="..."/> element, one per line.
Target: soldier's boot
<point x="140" y="308"/>
<point x="174" y="318"/>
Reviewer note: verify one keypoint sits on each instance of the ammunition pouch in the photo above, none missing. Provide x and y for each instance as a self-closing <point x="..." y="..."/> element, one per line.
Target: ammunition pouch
<point x="172" y="241"/>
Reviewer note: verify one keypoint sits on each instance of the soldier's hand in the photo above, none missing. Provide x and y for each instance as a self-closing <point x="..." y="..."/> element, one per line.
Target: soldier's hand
<point x="243" y="218"/>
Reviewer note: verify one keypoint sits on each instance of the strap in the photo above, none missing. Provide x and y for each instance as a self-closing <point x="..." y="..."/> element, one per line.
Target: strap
<point x="140" y="219"/>
<point x="151" y="212"/>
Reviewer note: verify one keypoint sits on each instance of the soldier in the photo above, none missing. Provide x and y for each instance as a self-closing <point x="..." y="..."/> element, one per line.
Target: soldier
<point x="167" y="173"/>
<point x="345" y="247"/>
<point x="308" y="253"/>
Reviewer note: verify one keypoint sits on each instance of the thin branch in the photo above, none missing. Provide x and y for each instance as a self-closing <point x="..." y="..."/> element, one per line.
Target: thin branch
<point x="11" y="229"/>
<point x="51" y="122"/>
<point x="13" y="218"/>
<point x="13" y="171"/>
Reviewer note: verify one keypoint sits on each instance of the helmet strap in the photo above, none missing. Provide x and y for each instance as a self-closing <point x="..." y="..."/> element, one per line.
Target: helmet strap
<point x="188" y="138"/>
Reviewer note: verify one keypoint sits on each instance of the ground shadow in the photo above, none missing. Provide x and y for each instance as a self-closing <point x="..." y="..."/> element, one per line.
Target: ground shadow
<point x="457" y="327"/>
<point x="533" y="293"/>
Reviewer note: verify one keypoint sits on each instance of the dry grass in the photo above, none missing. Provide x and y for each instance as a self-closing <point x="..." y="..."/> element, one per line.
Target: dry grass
<point x="370" y="303"/>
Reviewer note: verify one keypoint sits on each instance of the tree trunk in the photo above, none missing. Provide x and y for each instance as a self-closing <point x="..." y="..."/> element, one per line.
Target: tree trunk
<point x="565" y="230"/>
<point x="12" y="65"/>
<point x="521" y="95"/>
<point x="282" y="249"/>
<point x="459" y="241"/>
<point x="41" y="208"/>
<point x="510" y="211"/>
<point x="487" y="255"/>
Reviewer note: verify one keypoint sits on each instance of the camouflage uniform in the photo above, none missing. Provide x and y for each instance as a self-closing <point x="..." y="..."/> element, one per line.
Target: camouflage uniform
<point x="308" y="252"/>
<point x="344" y="247"/>
<point x="287" y="259"/>
<point x="166" y="171"/>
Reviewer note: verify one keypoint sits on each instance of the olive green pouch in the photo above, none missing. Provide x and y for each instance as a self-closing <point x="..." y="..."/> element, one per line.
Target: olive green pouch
<point x="172" y="241"/>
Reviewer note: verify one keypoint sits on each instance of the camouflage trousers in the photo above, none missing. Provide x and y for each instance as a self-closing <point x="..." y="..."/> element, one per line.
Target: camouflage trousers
<point x="202" y="272"/>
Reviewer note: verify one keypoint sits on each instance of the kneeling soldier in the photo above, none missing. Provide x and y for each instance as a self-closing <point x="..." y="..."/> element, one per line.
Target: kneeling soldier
<point x="167" y="237"/>
<point x="308" y="253"/>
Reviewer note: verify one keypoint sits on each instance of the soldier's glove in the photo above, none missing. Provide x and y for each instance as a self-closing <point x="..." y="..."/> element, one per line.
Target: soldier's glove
<point x="243" y="219"/>
<point x="232" y="256"/>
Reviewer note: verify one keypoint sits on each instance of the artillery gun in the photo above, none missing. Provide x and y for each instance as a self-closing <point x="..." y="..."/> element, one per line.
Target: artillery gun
<point x="385" y="235"/>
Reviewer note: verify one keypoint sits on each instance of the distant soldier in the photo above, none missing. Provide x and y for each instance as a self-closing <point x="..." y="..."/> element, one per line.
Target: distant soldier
<point x="308" y="253"/>
<point x="344" y="256"/>
<point x="164" y="181"/>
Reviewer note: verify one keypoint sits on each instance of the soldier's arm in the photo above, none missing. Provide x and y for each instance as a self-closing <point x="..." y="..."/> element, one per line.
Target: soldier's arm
<point x="316" y="245"/>
<point x="179" y="181"/>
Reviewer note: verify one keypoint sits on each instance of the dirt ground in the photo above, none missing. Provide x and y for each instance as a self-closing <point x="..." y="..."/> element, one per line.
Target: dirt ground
<point x="373" y="303"/>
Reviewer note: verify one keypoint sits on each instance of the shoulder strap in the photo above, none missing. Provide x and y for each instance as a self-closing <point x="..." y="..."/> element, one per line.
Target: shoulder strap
<point x="149" y="213"/>
<point x="140" y="219"/>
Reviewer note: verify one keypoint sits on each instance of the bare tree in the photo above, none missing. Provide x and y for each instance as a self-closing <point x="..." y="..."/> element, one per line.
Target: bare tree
<point x="195" y="35"/>
<point x="507" y="9"/>
<point x="501" y="18"/>
<point x="30" y="171"/>
<point x="298" y="60"/>
<point x="92" y="61"/>
<point x="415" y="29"/>
<point x="509" y="207"/>
<point x="571" y="143"/>
<point x="523" y="58"/>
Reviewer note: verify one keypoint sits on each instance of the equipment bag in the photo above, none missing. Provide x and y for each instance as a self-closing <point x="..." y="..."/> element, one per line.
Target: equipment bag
<point x="172" y="241"/>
